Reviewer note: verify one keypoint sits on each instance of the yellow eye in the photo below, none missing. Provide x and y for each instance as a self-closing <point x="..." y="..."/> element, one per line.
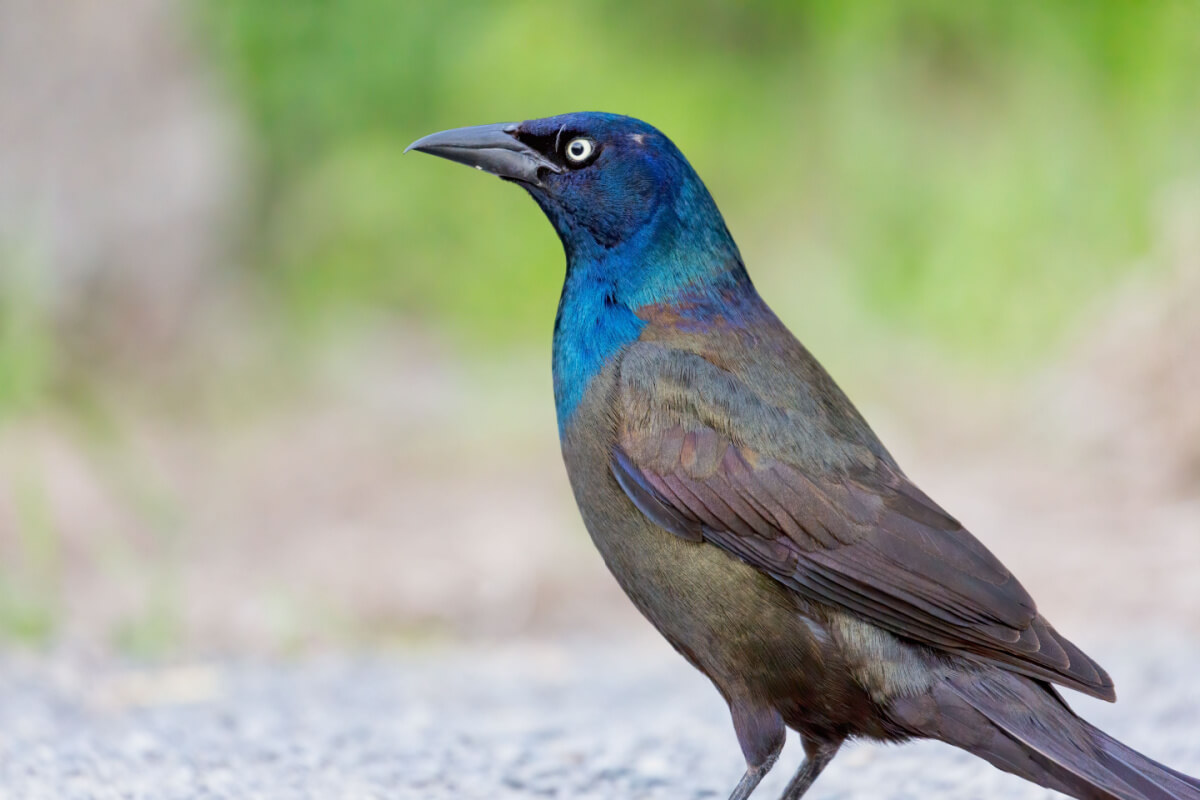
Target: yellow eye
<point x="580" y="149"/>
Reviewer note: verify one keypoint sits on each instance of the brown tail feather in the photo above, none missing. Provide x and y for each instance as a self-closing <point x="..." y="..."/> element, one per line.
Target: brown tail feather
<point x="1022" y="726"/>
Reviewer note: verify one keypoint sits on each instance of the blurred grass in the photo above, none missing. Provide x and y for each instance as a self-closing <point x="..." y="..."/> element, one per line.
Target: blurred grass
<point x="979" y="170"/>
<point x="27" y="344"/>
<point x="30" y="587"/>
<point x="146" y="554"/>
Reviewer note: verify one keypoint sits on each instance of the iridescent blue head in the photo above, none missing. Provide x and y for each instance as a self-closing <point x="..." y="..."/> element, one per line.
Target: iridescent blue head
<point x="639" y="228"/>
<point x="608" y="183"/>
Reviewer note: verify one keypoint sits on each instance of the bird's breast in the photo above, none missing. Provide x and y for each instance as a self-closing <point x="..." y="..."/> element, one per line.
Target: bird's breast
<point x="589" y="334"/>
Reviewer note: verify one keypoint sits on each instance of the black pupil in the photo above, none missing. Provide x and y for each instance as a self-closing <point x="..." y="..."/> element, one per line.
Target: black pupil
<point x="577" y="149"/>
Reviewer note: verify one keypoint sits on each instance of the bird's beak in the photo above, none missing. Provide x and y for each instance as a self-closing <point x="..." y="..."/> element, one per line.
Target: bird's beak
<point x="491" y="148"/>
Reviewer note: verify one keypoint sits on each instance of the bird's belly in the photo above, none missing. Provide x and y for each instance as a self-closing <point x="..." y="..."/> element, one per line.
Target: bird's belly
<point x="753" y="637"/>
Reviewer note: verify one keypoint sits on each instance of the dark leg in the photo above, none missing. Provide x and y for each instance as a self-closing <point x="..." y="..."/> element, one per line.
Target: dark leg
<point x="817" y="756"/>
<point x="761" y="734"/>
<point x="750" y="780"/>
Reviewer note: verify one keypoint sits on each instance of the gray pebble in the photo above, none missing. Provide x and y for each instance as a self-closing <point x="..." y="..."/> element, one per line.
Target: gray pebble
<point x="520" y="722"/>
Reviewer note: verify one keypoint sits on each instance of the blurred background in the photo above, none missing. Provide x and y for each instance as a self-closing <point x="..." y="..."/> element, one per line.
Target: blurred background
<point x="268" y="386"/>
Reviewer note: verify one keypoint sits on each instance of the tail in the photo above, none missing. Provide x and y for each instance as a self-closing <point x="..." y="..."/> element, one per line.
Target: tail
<point x="1022" y="726"/>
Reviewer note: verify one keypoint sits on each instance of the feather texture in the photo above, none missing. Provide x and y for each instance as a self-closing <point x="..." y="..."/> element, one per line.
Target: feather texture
<point x="861" y="537"/>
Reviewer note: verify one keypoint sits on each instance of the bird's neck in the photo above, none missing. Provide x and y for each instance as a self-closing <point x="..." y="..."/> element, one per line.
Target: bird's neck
<point x="601" y="310"/>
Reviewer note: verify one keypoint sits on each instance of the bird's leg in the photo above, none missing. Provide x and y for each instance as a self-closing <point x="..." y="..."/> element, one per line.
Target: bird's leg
<point x="751" y="779"/>
<point x="761" y="734"/>
<point x="817" y="756"/>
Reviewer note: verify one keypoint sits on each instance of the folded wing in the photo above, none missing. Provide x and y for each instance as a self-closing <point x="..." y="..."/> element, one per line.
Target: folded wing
<point x="860" y="536"/>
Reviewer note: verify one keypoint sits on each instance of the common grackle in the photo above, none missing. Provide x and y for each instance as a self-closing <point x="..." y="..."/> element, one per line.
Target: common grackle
<point x="749" y="511"/>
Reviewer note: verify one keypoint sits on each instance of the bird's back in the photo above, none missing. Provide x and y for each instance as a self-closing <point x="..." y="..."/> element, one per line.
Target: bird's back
<point x="792" y="407"/>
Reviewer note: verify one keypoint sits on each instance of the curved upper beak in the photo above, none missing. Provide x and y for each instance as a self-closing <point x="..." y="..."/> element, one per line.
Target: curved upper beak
<point x="491" y="148"/>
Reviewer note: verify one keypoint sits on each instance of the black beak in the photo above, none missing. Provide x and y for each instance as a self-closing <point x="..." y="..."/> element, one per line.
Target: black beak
<point x="491" y="148"/>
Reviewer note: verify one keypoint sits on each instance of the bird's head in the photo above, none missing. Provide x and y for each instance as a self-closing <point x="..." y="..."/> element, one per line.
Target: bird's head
<point x="609" y="184"/>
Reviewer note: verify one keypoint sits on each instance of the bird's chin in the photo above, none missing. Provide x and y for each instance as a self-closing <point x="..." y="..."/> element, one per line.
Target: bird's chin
<point x="535" y="188"/>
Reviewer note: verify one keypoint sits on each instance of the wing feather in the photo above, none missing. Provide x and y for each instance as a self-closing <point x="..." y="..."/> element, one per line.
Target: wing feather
<point x="862" y="537"/>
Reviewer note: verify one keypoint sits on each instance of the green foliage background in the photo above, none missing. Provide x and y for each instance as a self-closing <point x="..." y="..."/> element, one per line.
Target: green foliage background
<point x="972" y="171"/>
<point x="966" y="174"/>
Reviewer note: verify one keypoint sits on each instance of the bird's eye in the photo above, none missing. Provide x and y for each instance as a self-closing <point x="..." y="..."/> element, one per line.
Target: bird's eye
<point x="580" y="149"/>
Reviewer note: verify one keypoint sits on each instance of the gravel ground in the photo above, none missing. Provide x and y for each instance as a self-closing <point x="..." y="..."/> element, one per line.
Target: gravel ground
<point x="621" y="720"/>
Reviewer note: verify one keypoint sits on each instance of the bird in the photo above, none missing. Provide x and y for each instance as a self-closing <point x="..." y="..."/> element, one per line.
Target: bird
<point x="749" y="511"/>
